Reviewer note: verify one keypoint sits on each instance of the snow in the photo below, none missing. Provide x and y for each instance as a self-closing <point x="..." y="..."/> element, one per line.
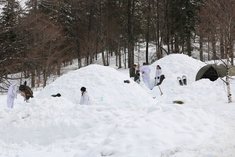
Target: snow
<point x="105" y="86"/>
<point x="124" y="120"/>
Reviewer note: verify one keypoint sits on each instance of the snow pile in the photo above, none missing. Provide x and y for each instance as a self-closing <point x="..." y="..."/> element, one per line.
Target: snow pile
<point x="196" y="92"/>
<point x="175" y="65"/>
<point x="105" y="86"/>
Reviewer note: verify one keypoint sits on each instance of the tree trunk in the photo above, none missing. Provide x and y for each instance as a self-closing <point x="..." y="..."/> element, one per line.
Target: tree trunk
<point x="58" y="66"/>
<point x="229" y="95"/>
<point x="147" y="33"/>
<point x="44" y="78"/>
<point x="213" y="44"/>
<point x="177" y="50"/>
<point x="201" y="48"/>
<point x="125" y="57"/>
<point x="222" y="53"/>
<point x="188" y="43"/>
<point x="158" y="48"/>
<point x="107" y="58"/>
<point x="130" y="14"/>
<point x="208" y="49"/>
<point x="119" y="58"/>
<point x="33" y="78"/>
<point x="231" y="54"/>
<point x="103" y="58"/>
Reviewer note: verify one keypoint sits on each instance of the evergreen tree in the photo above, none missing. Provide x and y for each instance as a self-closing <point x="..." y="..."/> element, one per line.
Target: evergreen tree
<point x="8" y="23"/>
<point x="183" y="18"/>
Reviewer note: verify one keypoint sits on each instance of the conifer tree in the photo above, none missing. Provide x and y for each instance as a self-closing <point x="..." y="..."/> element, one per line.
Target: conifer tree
<point x="8" y="23"/>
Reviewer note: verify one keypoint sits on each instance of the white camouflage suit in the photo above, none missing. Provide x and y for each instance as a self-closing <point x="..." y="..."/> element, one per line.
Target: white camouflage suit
<point x="11" y="95"/>
<point x="157" y="75"/>
<point x="145" y="71"/>
<point x="85" y="100"/>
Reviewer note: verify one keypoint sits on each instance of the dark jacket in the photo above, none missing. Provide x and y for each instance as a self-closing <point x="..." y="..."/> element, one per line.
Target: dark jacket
<point x="26" y="90"/>
<point x="132" y="72"/>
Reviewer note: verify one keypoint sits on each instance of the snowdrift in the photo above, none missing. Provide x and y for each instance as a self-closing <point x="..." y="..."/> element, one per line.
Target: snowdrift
<point x="105" y="86"/>
<point x="196" y="92"/>
<point x="175" y="65"/>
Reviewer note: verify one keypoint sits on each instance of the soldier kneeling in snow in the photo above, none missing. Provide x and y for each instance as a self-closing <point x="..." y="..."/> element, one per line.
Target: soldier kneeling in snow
<point x="25" y="91"/>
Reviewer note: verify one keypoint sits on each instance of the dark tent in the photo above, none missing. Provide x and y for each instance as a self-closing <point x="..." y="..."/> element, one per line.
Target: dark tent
<point x="211" y="71"/>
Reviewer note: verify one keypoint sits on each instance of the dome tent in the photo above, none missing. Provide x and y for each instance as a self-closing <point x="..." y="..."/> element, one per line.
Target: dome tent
<point x="212" y="72"/>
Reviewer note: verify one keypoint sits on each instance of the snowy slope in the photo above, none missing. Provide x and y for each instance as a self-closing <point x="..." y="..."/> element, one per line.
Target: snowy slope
<point x="123" y="120"/>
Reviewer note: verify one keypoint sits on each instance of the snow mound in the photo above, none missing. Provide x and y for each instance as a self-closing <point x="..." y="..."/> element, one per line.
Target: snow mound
<point x="175" y="65"/>
<point x="105" y="86"/>
<point x="196" y="92"/>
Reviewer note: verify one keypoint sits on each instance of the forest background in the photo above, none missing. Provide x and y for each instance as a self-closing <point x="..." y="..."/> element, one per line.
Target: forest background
<point x="40" y="36"/>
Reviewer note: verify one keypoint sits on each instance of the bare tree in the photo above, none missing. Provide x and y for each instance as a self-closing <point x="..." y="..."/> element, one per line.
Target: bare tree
<point x="221" y="16"/>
